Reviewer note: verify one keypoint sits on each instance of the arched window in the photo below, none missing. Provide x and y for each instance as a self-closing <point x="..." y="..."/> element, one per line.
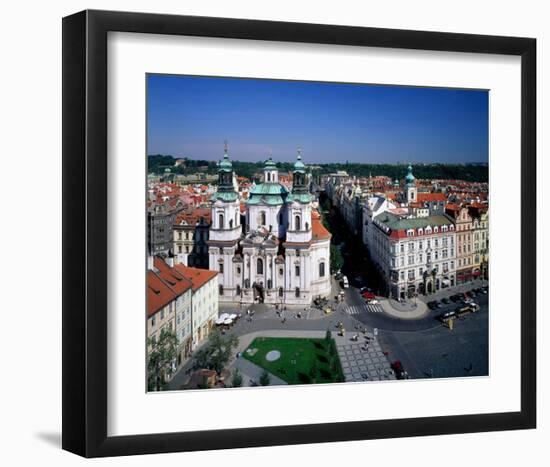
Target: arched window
<point x="236" y="218"/>
<point x="220" y="221"/>
<point x="297" y="292"/>
<point x="281" y="292"/>
<point x="297" y="223"/>
<point x="262" y="218"/>
<point x="238" y="289"/>
<point x="220" y="289"/>
<point x="259" y="266"/>
<point x="322" y="269"/>
<point x="269" y="284"/>
<point x="307" y="226"/>
<point x="268" y="177"/>
<point x="230" y="223"/>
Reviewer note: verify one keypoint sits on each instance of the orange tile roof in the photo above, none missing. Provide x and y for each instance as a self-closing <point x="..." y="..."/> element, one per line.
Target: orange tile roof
<point x="198" y="277"/>
<point x="158" y="294"/>
<point x="319" y="230"/>
<point x="425" y="197"/>
<point x="172" y="278"/>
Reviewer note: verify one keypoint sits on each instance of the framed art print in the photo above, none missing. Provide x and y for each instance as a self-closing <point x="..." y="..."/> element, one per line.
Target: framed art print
<point x="281" y="233"/>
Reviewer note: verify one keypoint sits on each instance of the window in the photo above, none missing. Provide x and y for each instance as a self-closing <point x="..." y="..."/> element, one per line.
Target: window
<point x="297" y="292"/>
<point x="297" y="223"/>
<point x="262" y="218"/>
<point x="281" y="292"/>
<point x="281" y="271"/>
<point x="236" y="218"/>
<point x="221" y="267"/>
<point x="402" y="248"/>
<point x="411" y="275"/>
<point x="269" y="284"/>
<point x="220" y="289"/>
<point x="162" y="314"/>
<point x="230" y="223"/>
<point x="322" y="269"/>
<point x="307" y="226"/>
<point x="402" y="275"/>
<point x="238" y="289"/>
<point x="238" y="269"/>
<point x="220" y="221"/>
<point x="411" y="260"/>
<point x="297" y="271"/>
<point x="153" y="322"/>
<point x="259" y="266"/>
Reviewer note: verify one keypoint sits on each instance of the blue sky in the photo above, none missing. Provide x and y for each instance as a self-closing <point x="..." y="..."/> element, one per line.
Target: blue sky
<point x="192" y="116"/>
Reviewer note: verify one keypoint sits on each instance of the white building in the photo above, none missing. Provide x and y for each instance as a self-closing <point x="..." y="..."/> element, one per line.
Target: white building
<point x="282" y="253"/>
<point x="372" y="207"/>
<point x="204" y="301"/>
<point x="413" y="255"/>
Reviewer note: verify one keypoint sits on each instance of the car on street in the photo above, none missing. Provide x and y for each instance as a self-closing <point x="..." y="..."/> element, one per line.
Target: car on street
<point x="443" y="317"/>
<point x="446" y="301"/>
<point x="455" y="298"/>
<point x="368" y="295"/>
<point x="345" y="282"/>
<point x="432" y="305"/>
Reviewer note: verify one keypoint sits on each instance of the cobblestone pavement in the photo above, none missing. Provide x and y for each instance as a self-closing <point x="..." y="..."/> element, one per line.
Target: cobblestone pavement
<point x="364" y="360"/>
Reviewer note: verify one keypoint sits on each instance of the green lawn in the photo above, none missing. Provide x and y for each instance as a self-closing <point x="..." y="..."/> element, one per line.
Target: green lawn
<point x="302" y="361"/>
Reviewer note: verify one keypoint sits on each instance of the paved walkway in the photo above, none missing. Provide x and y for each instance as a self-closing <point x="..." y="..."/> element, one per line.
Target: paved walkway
<point x="361" y="360"/>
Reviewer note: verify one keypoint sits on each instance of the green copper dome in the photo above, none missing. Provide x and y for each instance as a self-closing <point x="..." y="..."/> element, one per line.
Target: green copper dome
<point x="270" y="164"/>
<point x="410" y="177"/>
<point x="225" y="165"/>
<point x="299" y="166"/>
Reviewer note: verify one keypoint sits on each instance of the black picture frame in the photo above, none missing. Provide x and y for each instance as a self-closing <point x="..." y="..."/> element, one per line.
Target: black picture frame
<point x="85" y="199"/>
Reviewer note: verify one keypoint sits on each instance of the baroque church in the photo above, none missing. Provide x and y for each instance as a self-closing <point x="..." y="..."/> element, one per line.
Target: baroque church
<point x="281" y="255"/>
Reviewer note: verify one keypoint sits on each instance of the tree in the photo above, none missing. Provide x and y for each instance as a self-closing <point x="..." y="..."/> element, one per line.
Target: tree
<point x="264" y="378"/>
<point x="336" y="260"/>
<point x="237" y="379"/>
<point x="160" y="359"/>
<point x="216" y="353"/>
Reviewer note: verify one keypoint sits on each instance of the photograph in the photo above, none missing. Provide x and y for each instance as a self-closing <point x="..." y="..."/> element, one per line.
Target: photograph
<point x="303" y="232"/>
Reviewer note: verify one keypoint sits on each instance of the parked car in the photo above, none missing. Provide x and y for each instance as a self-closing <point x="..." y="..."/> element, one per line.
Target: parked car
<point x="432" y="305"/>
<point x="345" y="282"/>
<point x="446" y="301"/>
<point x="368" y="295"/>
<point x="444" y="317"/>
<point x="455" y="298"/>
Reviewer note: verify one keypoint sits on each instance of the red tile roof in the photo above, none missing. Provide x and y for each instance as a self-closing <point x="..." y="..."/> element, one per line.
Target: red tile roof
<point x="198" y="277"/>
<point x="158" y="294"/>
<point x="425" y="197"/>
<point x="319" y="230"/>
<point x="172" y="278"/>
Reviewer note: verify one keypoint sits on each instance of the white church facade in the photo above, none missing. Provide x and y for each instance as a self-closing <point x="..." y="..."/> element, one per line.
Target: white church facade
<point x="281" y="255"/>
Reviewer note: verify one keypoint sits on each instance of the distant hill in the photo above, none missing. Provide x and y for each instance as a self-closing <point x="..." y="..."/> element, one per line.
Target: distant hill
<point x="471" y="172"/>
